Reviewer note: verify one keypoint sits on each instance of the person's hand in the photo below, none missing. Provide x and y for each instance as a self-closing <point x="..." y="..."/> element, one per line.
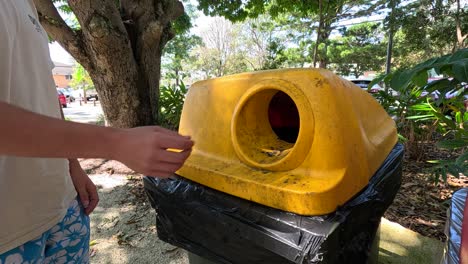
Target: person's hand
<point x="85" y="188"/>
<point x="153" y="151"/>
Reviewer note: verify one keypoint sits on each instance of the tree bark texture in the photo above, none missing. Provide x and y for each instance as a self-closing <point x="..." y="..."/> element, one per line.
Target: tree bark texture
<point x="460" y="37"/>
<point x="319" y="30"/>
<point x="327" y="15"/>
<point x="120" y="47"/>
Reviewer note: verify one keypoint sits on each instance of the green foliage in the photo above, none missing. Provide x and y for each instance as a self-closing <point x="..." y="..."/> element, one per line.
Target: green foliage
<point x="427" y="28"/>
<point x="171" y="101"/>
<point x="240" y="10"/>
<point x="101" y="120"/>
<point x="303" y="16"/>
<point x="81" y="79"/>
<point x="177" y="54"/>
<point x="224" y="50"/>
<point x="275" y="56"/>
<point x="358" y="49"/>
<point x="422" y="108"/>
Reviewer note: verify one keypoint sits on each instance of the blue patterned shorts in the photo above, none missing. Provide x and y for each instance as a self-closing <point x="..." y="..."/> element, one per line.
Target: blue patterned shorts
<point x="66" y="242"/>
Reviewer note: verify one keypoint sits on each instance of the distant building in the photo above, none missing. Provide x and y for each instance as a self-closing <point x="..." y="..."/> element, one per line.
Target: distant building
<point x="62" y="74"/>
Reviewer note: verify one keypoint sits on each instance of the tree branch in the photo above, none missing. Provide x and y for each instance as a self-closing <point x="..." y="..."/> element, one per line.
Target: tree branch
<point x="151" y="21"/>
<point x="61" y="32"/>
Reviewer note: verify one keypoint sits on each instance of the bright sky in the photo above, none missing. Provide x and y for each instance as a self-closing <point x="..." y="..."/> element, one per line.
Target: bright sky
<point x="58" y="54"/>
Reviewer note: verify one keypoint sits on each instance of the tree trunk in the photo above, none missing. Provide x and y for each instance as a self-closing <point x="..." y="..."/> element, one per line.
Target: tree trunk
<point x="391" y="29"/>
<point x="319" y="31"/>
<point x="120" y="47"/>
<point x="177" y="77"/>
<point x="85" y="99"/>
<point x="327" y="14"/>
<point x="325" y="34"/>
<point x="460" y="37"/>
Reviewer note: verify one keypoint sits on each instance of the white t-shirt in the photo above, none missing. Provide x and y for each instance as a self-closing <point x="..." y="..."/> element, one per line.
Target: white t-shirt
<point x="34" y="192"/>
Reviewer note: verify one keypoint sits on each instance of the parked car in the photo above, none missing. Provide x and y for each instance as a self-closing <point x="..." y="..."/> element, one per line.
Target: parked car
<point x="364" y="84"/>
<point x="68" y="94"/>
<point x="62" y="99"/>
<point x="91" y="95"/>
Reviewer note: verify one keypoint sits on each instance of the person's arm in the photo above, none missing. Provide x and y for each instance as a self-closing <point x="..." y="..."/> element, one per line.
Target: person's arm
<point x="86" y="189"/>
<point x="143" y="149"/>
<point x="84" y="186"/>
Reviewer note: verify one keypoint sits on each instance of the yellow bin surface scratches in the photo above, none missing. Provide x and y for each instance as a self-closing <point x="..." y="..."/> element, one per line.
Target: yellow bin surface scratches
<point x="340" y="137"/>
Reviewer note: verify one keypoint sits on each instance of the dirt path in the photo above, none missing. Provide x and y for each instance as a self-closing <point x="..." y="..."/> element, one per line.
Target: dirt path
<point x="123" y="225"/>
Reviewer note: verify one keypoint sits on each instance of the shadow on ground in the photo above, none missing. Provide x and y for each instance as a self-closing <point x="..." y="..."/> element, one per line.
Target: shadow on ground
<point x="123" y="228"/>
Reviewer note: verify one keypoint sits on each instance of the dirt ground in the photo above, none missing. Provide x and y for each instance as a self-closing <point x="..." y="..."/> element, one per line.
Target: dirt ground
<point x="421" y="205"/>
<point x="123" y="225"/>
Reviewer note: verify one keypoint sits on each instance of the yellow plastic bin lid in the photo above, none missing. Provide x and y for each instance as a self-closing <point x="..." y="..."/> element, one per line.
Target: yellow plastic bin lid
<point x="300" y="140"/>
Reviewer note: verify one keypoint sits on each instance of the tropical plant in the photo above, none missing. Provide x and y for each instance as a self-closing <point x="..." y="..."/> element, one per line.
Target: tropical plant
<point x="422" y="107"/>
<point x="172" y="100"/>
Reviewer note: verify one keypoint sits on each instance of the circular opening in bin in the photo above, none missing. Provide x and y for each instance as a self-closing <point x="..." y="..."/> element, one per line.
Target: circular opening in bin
<point x="284" y="117"/>
<point x="257" y="134"/>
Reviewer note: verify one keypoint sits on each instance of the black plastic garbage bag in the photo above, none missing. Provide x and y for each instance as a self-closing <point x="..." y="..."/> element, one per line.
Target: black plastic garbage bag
<point x="227" y="229"/>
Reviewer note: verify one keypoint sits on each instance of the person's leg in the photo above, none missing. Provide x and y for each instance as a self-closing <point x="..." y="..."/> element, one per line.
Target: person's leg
<point x="66" y="242"/>
<point x="69" y="240"/>
<point x="31" y="252"/>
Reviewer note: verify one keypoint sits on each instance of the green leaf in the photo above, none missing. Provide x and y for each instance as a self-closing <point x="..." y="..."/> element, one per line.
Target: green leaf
<point x="445" y="69"/>
<point x="460" y="70"/>
<point x="438" y="85"/>
<point x="420" y="78"/>
<point x="422" y="107"/>
<point x="452" y="144"/>
<point x="421" y="117"/>
<point x="377" y="80"/>
<point x="459" y="55"/>
<point x="446" y="120"/>
<point x="458" y="117"/>
<point x="454" y="170"/>
<point x="401" y="80"/>
<point x="444" y="174"/>
<point x="402" y="138"/>
<point x="462" y="159"/>
<point x="443" y="59"/>
<point x="429" y="62"/>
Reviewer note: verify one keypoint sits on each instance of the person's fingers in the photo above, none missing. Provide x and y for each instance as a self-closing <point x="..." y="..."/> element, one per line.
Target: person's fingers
<point x="174" y="142"/>
<point x="160" y="174"/>
<point x="168" y="131"/>
<point x="84" y="196"/>
<point x="171" y="167"/>
<point x="175" y="157"/>
<point x="93" y="198"/>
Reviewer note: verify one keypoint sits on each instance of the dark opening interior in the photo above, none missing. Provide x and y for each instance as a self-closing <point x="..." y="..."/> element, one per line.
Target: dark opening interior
<point x="284" y="117"/>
